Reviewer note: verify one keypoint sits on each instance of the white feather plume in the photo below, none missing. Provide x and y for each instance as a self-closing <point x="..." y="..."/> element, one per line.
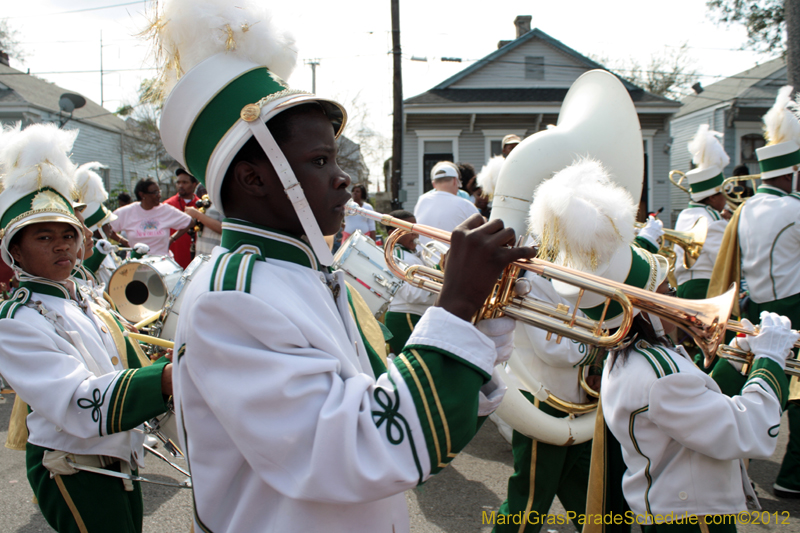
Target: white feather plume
<point x="89" y="184"/>
<point x="187" y="32"/>
<point x="706" y="149"/>
<point x="581" y="217"/>
<point x="36" y="157"/>
<point x="487" y="178"/>
<point x="780" y="123"/>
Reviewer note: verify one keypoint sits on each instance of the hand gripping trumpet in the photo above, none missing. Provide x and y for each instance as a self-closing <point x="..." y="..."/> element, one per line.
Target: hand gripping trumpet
<point x="704" y="320"/>
<point x="738" y="355"/>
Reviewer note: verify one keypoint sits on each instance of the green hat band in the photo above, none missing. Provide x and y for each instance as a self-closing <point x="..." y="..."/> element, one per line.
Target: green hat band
<point x="97" y="216"/>
<point x="222" y="112"/>
<point x="638" y="276"/>
<point x="708" y="184"/>
<point x="780" y="162"/>
<point x="44" y="200"/>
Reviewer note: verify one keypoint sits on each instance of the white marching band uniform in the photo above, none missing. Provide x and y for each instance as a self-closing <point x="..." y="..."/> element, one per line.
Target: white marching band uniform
<point x="678" y="429"/>
<point x="704" y="264"/>
<point x="295" y="424"/>
<point x="408" y="298"/>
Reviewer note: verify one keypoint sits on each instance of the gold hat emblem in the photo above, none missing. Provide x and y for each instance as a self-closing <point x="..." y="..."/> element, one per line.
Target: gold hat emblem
<point x="49" y="201"/>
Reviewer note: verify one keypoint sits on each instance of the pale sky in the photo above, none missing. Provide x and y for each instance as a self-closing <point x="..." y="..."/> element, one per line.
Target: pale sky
<point x="352" y="40"/>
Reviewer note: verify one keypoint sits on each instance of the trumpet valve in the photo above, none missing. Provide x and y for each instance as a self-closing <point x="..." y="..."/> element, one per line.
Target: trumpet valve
<point x="522" y="287"/>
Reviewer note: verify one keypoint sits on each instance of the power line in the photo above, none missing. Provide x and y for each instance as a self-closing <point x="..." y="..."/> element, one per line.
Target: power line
<point x="78" y="10"/>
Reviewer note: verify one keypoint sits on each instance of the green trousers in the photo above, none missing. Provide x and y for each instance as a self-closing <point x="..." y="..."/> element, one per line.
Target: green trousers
<point x="400" y="325"/>
<point x="694" y="289"/>
<point x="84" y="502"/>
<point x="789" y="475"/>
<point x="542" y="472"/>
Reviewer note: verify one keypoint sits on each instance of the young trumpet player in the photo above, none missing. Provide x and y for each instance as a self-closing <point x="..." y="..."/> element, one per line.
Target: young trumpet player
<point x="88" y="389"/>
<point x="682" y="439"/>
<point x="307" y="426"/>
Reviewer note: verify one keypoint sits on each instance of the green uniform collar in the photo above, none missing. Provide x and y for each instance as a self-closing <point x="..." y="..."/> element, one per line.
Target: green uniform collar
<point x="50" y="288"/>
<point x="766" y="189"/>
<point x="241" y="236"/>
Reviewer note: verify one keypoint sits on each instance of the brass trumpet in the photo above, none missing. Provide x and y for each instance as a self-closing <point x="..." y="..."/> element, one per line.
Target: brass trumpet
<point x="733" y="196"/>
<point x="691" y="241"/>
<point x="680" y="180"/>
<point x="704" y="320"/>
<point x="738" y="355"/>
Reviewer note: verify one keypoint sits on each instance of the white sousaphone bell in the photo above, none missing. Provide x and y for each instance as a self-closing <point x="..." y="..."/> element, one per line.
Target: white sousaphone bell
<point x="597" y="120"/>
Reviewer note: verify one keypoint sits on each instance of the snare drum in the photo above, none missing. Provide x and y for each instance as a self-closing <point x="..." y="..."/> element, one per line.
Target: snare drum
<point x="140" y="287"/>
<point x="363" y="263"/>
<point x="172" y="310"/>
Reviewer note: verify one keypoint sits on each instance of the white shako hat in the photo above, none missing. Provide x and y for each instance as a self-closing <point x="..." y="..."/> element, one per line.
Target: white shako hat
<point x="584" y="221"/>
<point x="781" y="155"/>
<point x="37" y="180"/>
<point x="710" y="157"/>
<point x="222" y="69"/>
<point x="90" y="191"/>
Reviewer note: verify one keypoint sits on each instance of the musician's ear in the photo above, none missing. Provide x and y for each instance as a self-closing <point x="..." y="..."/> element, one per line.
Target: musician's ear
<point x="254" y="178"/>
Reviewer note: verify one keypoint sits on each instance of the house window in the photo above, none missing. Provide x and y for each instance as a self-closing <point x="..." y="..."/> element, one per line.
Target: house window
<point x="435" y="151"/>
<point x="534" y="67"/>
<point x="105" y="173"/>
<point x="496" y="148"/>
<point x="747" y="156"/>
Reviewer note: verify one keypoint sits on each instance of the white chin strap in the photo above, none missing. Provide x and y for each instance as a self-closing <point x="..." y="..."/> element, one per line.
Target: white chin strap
<point x="794" y="181"/>
<point x="293" y="190"/>
<point x="658" y="327"/>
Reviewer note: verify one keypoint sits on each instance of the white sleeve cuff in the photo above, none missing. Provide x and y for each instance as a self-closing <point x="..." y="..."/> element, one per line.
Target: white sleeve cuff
<point x="445" y="331"/>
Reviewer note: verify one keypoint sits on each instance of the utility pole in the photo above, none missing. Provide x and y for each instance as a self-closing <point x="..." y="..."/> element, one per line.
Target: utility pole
<point x="397" y="114"/>
<point x="791" y="13"/>
<point x="101" y="68"/>
<point x="314" y="63"/>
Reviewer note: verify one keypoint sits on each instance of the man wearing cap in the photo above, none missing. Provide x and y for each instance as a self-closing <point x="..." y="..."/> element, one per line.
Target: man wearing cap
<point x="442" y="207"/>
<point x="767" y="226"/>
<point x="510" y="142"/>
<point x="181" y="246"/>
<point x="707" y="201"/>
<point x="286" y="402"/>
<point x="88" y="388"/>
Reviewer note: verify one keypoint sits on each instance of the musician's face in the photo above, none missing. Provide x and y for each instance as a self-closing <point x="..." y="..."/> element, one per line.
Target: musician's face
<point x="311" y="152"/>
<point x="47" y="250"/>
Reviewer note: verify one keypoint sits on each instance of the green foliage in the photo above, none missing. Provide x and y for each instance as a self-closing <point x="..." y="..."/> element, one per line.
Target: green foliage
<point x="763" y="19"/>
<point x="112" y="203"/>
<point x="9" y="41"/>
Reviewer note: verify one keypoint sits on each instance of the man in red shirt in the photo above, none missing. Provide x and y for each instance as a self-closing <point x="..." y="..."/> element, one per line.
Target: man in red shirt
<point x="182" y="247"/>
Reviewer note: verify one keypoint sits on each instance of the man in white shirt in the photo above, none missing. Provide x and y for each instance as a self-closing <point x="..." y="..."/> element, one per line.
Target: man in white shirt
<point x="148" y="221"/>
<point x="441" y="207"/>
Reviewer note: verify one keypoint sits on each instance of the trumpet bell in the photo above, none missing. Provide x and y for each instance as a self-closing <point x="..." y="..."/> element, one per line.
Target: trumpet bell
<point x="597" y="120"/>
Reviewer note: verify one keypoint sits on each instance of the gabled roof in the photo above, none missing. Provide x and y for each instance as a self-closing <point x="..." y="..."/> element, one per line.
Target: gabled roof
<point x="443" y="93"/>
<point x="19" y="88"/>
<point x="754" y="87"/>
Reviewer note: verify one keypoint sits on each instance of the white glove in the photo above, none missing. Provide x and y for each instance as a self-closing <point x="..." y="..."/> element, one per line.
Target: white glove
<point x="501" y="332"/>
<point x="141" y="248"/>
<point x="652" y="231"/>
<point x="104" y="247"/>
<point x="775" y="339"/>
<point x="491" y="394"/>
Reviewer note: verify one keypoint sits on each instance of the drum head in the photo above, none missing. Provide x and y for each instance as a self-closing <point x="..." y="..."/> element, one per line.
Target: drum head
<point x="140" y="289"/>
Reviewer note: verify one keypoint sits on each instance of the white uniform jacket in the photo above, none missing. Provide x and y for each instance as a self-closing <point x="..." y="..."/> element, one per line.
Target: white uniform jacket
<point x="769" y="239"/>
<point x="287" y="426"/>
<point x="553" y="364"/>
<point x="408" y="298"/>
<point x="442" y="210"/>
<point x="704" y="265"/>
<point x="67" y="368"/>
<point x="682" y="439"/>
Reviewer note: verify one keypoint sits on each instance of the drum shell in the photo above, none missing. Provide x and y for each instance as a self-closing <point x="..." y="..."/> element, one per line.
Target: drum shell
<point x="141" y="287"/>
<point x="172" y="309"/>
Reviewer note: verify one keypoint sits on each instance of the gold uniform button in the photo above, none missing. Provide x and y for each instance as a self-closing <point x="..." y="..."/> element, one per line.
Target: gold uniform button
<point x="115" y="360"/>
<point x="104" y="329"/>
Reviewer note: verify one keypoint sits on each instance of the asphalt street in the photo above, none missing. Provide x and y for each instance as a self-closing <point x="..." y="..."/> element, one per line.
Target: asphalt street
<point x="452" y="502"/>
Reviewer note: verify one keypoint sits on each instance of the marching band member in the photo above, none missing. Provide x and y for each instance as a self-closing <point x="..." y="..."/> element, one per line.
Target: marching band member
<point x="86" y="385"/>
<point x="409" y="303"/>
<point x="707" y="201"/>
<point x="306" y="426"/>
<point x="682" y="439"/>
<point x="765" y="230"/>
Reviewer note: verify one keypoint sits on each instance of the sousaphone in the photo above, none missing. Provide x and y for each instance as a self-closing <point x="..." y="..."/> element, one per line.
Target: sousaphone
<point x="597" y="120"/>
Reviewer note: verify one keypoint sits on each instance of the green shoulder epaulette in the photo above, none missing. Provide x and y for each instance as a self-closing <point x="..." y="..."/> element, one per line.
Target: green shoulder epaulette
<point x="9" y="308"/>
<point x="234" y="272"/>
<point x="659" y="359"/>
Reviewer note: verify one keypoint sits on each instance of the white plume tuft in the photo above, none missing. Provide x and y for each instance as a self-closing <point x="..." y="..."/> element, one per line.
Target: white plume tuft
<point x="89" y="184"/>
<point x="487" y="178"/>
<point x="581" y="217"/>
<point x="706" y="149"/>
<point x="186" y="32"/>
<point x="780" y="123"/>
<point x="36" y="157"/>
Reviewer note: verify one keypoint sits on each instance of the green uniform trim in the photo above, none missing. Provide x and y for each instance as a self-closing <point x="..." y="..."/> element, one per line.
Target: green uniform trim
<point x="402" y="326"/>
<point x="710" y="183"/>
<point x="631" y="432"/>
<point x="766" y="189"/>
<point x="730" y="381"/>
<point x="241" y="236"/>
<point x="234" y="272"/>
<point x="94" y="262"/>
<point x="9" y="308"/>
<point x="29" y="205"/>
<point x="772" y="260"/>
<point x="99" y="214"/>
<point x="710" y="210"/>
<point x="446" y="423"/>
<point x="779" y="162"/>
<point x="645" y="244"/>
<point x="662" y="363"/>
<point x="50" y="288"/>
<point x="136" y="397"/>
<point x="773" y="375"/>
<point x="638" y="276"/>
<point x="694" y="289"/>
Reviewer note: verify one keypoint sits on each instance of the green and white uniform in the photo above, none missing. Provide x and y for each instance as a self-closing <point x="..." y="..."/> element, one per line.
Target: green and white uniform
<point x="408" y="304"/>
<point x="693" y="282"/>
